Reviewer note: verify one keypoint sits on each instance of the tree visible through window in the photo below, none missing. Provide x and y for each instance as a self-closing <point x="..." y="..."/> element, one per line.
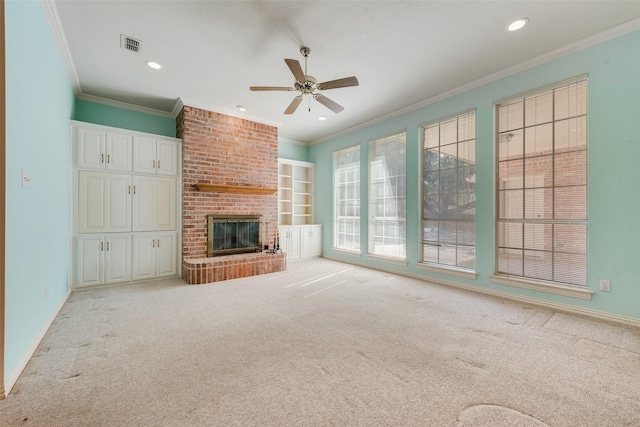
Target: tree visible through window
<point x="542" y="185"/>
<point x="346" y="166"/>
<point x="449" y="192"/>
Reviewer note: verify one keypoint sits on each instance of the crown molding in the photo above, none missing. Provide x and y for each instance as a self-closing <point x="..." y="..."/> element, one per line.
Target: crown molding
<point x="125" y="105"/>
<point x="177" y="107"/>
<point x="292" y="141"/>
<point x="585" y="43"/>
<point x="53" y="18"/>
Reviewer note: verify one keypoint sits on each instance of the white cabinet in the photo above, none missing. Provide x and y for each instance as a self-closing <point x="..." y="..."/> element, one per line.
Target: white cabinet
<point x="290" y="241"/>
<point x="154" y="255"/>
<point x="311" y="241"/>
<point x="301" y="241"/>
<point x="103" y="259"/>
<point x="98" y="149"/>
<point x="104" y="202"/>
<point x="155" y="156"/>
<point x="154" y="203"/>
<point x="126" y="215"/>
<point x="295" y="192"/>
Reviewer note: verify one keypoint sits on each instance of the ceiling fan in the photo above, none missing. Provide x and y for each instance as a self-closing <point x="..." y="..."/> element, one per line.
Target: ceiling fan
<point x="308" y="85"/>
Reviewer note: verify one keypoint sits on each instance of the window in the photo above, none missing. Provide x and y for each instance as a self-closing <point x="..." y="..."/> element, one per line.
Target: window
<point x="346" y="166"/>
<point x="388" y="196"/>
<point x="542" y="185"/>
<point x="449" y="192"/>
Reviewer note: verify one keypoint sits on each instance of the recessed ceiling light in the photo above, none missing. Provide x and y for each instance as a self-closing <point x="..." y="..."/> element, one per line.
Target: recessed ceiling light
<point x="154" y="65"/>
<point x="517" y="24"/>
<point x="322" y="118"/>
<point x="241" y="107"/>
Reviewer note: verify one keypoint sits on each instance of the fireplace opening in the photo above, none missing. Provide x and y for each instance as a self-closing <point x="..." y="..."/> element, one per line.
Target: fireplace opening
<point x="233" y="234"/>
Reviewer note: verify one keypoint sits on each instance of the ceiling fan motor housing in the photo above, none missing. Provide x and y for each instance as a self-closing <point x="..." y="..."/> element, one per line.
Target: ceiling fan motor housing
<point x="308" y="86"/>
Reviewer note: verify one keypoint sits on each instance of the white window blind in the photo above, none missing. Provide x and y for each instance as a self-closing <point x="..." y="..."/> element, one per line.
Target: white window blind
<point x="542" y="185"/>
<point x="388" y="196"/>
<point x="448" y="191"/>
<point x="347" y="199"/>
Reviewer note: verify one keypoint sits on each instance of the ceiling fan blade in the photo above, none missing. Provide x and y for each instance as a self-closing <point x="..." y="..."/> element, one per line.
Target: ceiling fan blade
<point x="296" y="69"/>
<point x="332" y="105"/>
<point x="294" y="104"/>
<point x="334" y="84"/>
<point x="262" y="88"/>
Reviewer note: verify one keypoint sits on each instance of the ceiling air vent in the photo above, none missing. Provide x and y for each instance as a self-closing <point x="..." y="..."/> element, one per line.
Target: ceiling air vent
<point x="129" y="43"/>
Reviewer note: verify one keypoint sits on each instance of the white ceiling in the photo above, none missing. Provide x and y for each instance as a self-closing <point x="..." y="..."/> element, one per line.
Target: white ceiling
<point x="403" y="52"/>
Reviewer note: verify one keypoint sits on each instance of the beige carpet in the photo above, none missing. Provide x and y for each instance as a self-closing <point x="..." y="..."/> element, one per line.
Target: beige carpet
<point x="323" y="344"/>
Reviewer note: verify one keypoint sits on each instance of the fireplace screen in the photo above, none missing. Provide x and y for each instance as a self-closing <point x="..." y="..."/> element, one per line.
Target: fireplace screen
<point x="233" y="234"/>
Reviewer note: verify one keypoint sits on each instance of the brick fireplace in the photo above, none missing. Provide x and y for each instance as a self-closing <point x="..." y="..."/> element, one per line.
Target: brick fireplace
<point x="230" y="167"/>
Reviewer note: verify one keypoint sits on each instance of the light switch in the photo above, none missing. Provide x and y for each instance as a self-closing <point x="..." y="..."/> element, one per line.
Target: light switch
<point x="25" y="179"/>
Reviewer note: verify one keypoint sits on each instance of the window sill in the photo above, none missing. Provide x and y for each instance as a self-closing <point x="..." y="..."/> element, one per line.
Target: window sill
<point x="552" y="288"/>
<point x="346" y="252"/>
<point x="388" y="260"/>
<point x="447" y="270"/>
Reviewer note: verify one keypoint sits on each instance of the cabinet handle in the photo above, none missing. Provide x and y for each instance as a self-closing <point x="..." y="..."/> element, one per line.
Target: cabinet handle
<point x="101" y="246"/>
<point x="134" y="189"/>
<point x="129" y="189"/>
<point x="153" y="243"/>
<point x="158" y="164"/>
<point x="154" y="164"/>
<point x="108" y="158"/>
<point x="102" y="158"/>
<point x="158" y="242"/>
<point x="107" y="245"/>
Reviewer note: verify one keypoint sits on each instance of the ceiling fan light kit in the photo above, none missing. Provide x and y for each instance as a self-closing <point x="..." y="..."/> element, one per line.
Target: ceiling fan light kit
<point x="308" y="85"/>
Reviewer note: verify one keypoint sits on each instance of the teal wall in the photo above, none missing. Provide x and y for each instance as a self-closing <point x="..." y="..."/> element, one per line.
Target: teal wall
<point x="613" y="172"/>
<point x="292" y="151"/>
<point x="40" y="102"/>
<point x="108" y="115"/>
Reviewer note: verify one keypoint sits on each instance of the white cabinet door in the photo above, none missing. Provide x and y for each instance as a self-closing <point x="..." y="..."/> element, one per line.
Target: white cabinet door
<point x="104" y="202"/>
<point x="154" y="255"/>
<point x="155" y="156"/>
<point x="117" y="253"/>
<point x="315" y="245"/>
<point x="166" y="254"/>
<point x="310" y="241"/>
<point x="154" y="203"/>
<point x="118" y="152"/>
<point x="144" y="155"/>
<point x="290" y="241"/>
<point x="92" y="200"/>
<point x="144" y="203"/>
<point x="90" y="255"/>
<point x="166" y="158"/>
<point x="165" y="204"/>
<point x="90" y="148"/>
<point x="119" y="203"/>
<point x="144" y="256"/>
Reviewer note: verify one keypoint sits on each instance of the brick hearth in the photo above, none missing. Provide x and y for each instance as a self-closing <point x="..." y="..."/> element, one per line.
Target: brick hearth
<point x="197" y="271"/>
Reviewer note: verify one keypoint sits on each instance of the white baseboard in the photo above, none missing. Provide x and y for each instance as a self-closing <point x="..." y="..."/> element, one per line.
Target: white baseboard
<point x="13" y="377"/>
<point x="601" y="315"/>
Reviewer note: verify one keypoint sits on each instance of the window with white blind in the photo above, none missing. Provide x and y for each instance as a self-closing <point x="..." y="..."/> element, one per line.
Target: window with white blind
<point x="388" y="196"/>
<point x="449" y="192"/>
<point x="346" y="167"/>
<point x="542" y="185"/>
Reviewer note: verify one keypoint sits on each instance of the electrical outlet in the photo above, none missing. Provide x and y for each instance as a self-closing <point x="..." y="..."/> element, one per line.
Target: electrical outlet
<point x="605" y="285"/>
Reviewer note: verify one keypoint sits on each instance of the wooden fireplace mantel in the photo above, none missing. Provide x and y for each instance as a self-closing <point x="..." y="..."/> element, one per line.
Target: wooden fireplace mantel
<point x="238" y="189"/>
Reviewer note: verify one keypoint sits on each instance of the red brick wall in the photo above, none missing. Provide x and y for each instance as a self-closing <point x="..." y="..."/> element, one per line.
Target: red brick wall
<point x="224" y="150"/>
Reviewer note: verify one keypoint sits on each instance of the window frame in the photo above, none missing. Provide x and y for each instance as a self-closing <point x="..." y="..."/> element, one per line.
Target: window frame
<point x="372" y="199"/>
<point x="468" y="273"/>
<point x="336" y="224"/>
<point x="527" y="282"/>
